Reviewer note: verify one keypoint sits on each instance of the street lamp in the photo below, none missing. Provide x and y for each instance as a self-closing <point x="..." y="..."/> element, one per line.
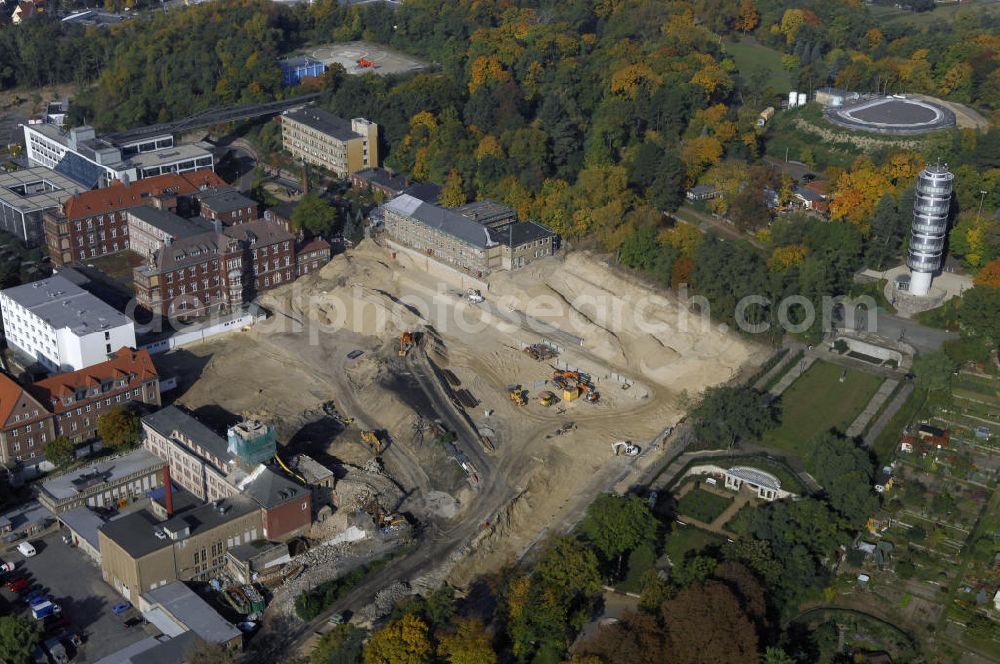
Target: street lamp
<point x="982" y="197"/>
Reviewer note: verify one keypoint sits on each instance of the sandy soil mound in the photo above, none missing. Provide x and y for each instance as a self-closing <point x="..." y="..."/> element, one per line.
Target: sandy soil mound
<point x="623" y="322"/>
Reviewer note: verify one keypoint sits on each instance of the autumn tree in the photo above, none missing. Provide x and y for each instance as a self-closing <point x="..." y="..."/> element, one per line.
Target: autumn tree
<point x="748" y="17"/>
<point x="989" y="275"/>
<point x="404" y="641"/>
<point x="453" y="192"/>
<point x="468" y="643"/>
<point x="118" y="427"/>
<point x="705" y="624"/>
<point x="787" y="256"/>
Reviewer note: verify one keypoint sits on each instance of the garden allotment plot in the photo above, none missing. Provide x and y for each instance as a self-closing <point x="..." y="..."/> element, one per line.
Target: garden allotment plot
<point x="817" y="402"/>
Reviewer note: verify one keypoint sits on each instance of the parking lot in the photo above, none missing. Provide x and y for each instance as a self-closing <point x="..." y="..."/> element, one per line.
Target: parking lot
<point x="74" y="580"/>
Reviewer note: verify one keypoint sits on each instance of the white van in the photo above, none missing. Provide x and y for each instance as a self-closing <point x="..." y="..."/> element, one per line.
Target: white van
<point x="26" y="549"/>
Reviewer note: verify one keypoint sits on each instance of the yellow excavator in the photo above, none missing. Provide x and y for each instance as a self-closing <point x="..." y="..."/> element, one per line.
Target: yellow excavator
<point x="517" y="395"/>
<point x="547" y="398"/>
<point x="373" y="441"/>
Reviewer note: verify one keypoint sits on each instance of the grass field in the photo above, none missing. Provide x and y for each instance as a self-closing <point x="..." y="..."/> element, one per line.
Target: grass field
<point x="750" y="55"/>
<point x="689" y="539"/>
<point x="940" y="14"/>
<point x="818" y="402"/>
<point x="703" y="505"/>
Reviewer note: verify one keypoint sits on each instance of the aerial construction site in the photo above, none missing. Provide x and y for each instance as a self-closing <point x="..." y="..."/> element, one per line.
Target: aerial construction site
<point x="489" y="412"/>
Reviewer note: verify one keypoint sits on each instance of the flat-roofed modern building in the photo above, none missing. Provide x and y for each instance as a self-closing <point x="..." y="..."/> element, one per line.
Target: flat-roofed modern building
<point x="26" y="194"/>
<point x="94" y="161"/>
<point x="140" y="553"/>
<point x="110" y="483"/>
<point x="61" y="326"/>
<point x="323" y="139"/>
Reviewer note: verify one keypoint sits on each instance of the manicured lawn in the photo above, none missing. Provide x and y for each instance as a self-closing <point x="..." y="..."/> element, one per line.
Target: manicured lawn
<point x="818" y="402"/>
<point x="750" y="55"/>
<point x="688" y="539"/>
<point x="702" y="505"/>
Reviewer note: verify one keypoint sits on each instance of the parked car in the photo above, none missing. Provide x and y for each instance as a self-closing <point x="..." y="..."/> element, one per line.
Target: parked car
<point x="56" y="622"/>
<point x="18" y="584"/>
<point x="6" y="568"/>
<point x="121" y="608"/>
<point x="26" y="549"/>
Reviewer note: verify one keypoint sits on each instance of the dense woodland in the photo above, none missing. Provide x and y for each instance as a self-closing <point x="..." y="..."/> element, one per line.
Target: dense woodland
<point x="592" y="117"/>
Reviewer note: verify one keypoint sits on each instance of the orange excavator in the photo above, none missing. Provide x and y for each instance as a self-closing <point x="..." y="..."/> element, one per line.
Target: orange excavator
<point x="365" y="62"/>
<point x="589" y="393"/>
<point x="405" y="343"/>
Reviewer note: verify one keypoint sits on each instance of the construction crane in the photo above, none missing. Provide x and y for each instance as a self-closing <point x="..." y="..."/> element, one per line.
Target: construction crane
<point x="374" y="441"/>
<point x="625" y="447"/>
<point x="405" y="343"/>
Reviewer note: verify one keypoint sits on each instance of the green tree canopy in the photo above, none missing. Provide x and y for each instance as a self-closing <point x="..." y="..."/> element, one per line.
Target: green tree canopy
<point x="728" y="414"/>
<point x="846" y="472"/>
<point x="341" y="645"/>
<point x="618" y="524"/>
<point x="314" y="215"/>
<point x="18" y="637"/>
<point x="934" y="370"/>
<point x="60" y="452"/>
<point x="979" y="312"/>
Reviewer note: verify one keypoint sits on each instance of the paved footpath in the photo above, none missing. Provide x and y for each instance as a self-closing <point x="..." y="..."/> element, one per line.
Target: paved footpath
<point x="883" y="421"/>
<point x="861" y="421"/>
<point x="792" y="375"/>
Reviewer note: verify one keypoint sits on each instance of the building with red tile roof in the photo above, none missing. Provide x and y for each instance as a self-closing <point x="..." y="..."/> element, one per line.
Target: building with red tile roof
<point x="26" y="426"/>
<point x="94" y="223"/>
<point x="69" y="404"/>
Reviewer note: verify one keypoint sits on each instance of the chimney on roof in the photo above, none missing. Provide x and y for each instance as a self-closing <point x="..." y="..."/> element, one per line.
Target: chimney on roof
<point x="168" y="494"/>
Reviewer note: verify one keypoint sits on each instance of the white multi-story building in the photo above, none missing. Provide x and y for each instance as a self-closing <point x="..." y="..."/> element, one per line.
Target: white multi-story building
<point x="94" y="161"/>
<point x="62" y="326"/>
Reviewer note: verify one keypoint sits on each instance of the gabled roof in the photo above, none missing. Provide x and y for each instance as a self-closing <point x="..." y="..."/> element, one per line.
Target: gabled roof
<point x="120" y="196"/>
<point x="12" y="394"/>
<point x="442" y="219"/>
<point x="132" y="365"/>
<point x="316" y="244"/>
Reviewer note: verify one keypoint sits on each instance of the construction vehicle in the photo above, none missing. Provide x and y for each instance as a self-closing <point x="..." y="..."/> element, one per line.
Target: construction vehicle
<point x="560" y="382"/>
<point x="540" y="352"/>
<point x="517" y="395"/>
<point x="625" y="447"/>
<point x="590" y="394"/>
<point x="374" y="441"/>
<point x="474" y="296"/>
<point x="365" y="62"/>
<point x="547" y="398"/>
<point x="405" y="343"/>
